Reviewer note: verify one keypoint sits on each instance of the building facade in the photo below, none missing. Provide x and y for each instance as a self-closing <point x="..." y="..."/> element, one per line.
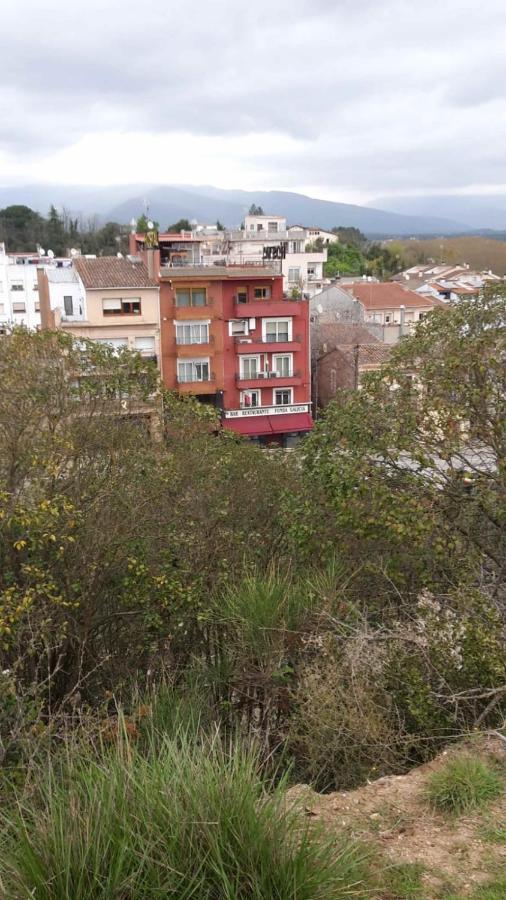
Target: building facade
<point x="19" y="286"/>
<point x="230" y="337"/>
<point x="114" y="301"/>
<point x="262" y="240"/>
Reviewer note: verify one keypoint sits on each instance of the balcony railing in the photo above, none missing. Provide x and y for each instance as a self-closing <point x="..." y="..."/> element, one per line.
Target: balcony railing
<point x="195" y="380"/>
<point x="268" y="376"/>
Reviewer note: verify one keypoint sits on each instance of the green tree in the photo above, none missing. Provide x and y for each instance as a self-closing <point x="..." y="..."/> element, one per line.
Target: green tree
<point x="21" y="228"/>
<point x="255" y="210"/>
<point x="417" y="458"/>
<point x="180" y="225"/>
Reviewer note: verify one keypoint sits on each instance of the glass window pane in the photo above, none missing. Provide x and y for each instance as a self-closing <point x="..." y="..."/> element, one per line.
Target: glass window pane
<point x="198" y="297"/>
<point x="182" y="298"/>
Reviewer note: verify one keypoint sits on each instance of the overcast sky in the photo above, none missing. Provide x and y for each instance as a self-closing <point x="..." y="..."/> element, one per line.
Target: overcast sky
<point x="341" y="99"/>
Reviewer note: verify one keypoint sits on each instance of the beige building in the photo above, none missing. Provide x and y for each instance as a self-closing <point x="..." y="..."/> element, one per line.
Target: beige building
<point x="119" y="305"/>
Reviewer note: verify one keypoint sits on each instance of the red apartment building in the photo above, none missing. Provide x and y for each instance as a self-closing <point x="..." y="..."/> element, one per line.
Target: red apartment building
<point x="230" y="337"/>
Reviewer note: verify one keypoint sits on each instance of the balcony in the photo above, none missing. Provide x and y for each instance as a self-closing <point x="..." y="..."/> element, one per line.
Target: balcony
<point x="259" y="308"/>
<point x="258" y="345"/>
<point x="269" y="379"/>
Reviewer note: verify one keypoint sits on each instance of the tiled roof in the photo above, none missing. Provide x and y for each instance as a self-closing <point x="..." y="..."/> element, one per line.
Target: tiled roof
<point x="112" y="272"/>
<point x="388" y="295"/>
<point x="373" y="354"/>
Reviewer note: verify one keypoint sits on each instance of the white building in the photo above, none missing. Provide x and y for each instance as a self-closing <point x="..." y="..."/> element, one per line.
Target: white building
<point x="19" y="289"/>
<point x="266" y="239"/>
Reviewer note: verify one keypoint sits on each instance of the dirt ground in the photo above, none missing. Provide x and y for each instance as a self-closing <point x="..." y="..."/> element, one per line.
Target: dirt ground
<point x="392" y="814"/>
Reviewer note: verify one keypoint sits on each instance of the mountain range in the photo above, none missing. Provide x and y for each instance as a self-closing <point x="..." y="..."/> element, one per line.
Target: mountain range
<point x="400" y="216"/>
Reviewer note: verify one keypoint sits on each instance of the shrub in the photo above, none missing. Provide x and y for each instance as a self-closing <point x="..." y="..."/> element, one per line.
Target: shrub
<point x="464" y="783"/>
<point x="190" y="821"/>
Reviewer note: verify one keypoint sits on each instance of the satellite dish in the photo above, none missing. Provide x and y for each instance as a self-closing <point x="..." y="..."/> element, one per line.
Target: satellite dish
<point x="119" y="255"/>
<point x="193" y="222"/>
<point x="74" y="252"/>
<point x="150" y="225"/>
<point x="50" y="254"/>
<point x="42" y="252"/>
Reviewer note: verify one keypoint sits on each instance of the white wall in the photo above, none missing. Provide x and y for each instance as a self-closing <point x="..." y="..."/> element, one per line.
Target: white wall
<point x="25" y="276"/>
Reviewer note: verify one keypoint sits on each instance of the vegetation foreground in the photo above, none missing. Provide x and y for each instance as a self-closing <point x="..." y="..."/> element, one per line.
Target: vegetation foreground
<point x="328" y="616"/>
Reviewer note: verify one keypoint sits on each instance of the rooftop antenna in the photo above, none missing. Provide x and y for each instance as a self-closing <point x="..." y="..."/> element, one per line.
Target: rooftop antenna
<point x="133" y="224"/>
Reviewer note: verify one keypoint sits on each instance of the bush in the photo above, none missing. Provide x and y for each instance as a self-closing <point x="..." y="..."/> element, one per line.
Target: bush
<point x="190" y="821"/>
<point x="464" y="783"/>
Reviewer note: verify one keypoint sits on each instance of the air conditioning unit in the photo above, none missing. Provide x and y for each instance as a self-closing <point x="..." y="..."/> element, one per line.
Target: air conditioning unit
<point x="245" y="341"/>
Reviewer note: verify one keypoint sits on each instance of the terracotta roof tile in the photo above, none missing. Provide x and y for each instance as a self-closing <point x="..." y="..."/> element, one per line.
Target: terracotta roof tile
<point x="112" y="272"/>
<point x="388" y="295"/>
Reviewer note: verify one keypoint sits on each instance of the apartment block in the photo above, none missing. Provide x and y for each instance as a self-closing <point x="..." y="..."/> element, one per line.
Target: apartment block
<point x="230" y="337"/>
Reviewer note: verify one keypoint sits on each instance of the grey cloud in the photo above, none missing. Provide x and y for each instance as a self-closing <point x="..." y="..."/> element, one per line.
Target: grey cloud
<point x="354" y="80"/>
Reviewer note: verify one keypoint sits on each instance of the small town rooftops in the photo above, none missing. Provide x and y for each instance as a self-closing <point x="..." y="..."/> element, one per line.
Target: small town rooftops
<point x="112" y="272"/>
<point x="388" y="295"/>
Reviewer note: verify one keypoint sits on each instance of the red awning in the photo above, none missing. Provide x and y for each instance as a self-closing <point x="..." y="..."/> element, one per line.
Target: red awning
<point x="250" y="425"/>
<point x="294" y="422"/>
<point x="270" y="424"/>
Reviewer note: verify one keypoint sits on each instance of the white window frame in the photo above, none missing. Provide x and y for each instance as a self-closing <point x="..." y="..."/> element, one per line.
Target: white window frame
<point x="289" y="356"/>
<point x="115" y="343"/>
<point x="242" y="360"/>
<point x="262" y="287"/>
<point x="145" y="351"/>
<point x="276" y="320"/>
<point x="251" y="392"/>
<point x="291" y="278"/>
<point x="19" y="312"/>
<point x="236" y="322"/>
<point x="189" y="323"/>
<point x="197" y="361"/>
<point x="274" y="392"/>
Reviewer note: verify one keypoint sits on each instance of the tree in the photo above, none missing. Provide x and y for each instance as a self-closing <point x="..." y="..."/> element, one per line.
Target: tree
<point x="219" y="225"/>
<point x="255" y="210"/>
<point x="180" y="225"/>
<point x="142" y="224"/>
<point x="21" y="228"/>
<point x="415" y="461"/>
<point x="55" y="233"/>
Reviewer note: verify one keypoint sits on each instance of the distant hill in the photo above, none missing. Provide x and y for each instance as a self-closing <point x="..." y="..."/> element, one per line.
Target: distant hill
<point x="169" y="203"/>
<point x="477" y="213"/>
<point x="481" y="253"/>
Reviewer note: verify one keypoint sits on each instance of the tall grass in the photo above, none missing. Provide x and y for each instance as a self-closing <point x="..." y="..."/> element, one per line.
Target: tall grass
<point x="464" y="783"/>
<point x="184" y="820"/>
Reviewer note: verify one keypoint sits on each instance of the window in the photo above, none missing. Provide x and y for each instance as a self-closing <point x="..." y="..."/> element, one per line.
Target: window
<point x="283" y="365"/>
<point x="262" y="293"/>
<point x="119" y="307"/>
<point x="35" y="287"/>
<point x="191" y="297"/>
<point x="272" y="226"/>
<point x="238" y="327"/>
<point x="145" y="345"/>
<point x="250" y="366"/>
<point x="17" y="286"/>
<point x="294" y="274"/>
<point x="192" y="332"/>
<point x="251" y="399"/>
<point x="282" y="397"/>
<point x="421" y="315"/>
<point x="311" y="269"/>
<point x="18" y="307"/>
<point x="193" y="370"/>
<point x="276" y="330"/>
<point x="242" y="295"/>
<point x="68" y="305"/>
<point x="388" y="318"/>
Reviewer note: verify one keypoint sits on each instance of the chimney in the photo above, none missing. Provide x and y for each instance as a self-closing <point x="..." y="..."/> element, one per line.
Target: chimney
<point x="47" y="319"/>
<point x="402" y="309"/>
